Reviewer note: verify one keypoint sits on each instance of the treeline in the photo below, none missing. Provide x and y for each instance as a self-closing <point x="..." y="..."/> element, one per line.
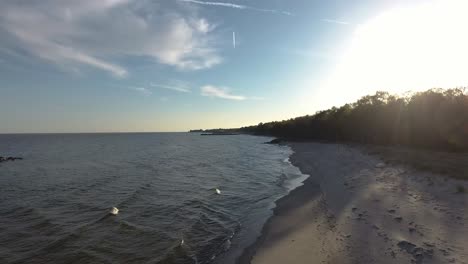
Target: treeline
<point x="435" y="119"/>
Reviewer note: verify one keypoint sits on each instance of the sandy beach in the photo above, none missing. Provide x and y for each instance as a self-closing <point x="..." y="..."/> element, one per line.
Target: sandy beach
<point x="356" y="208"/>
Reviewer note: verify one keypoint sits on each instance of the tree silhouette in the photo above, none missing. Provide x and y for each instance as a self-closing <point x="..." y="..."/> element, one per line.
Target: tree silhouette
<point x="434" y="118"/>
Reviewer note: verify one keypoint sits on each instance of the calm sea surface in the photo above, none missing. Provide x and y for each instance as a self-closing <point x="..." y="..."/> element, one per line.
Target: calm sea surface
<point x="54" y="204"/>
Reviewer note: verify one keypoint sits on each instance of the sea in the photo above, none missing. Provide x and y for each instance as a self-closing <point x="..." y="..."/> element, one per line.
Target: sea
<point x="55" y="203"/>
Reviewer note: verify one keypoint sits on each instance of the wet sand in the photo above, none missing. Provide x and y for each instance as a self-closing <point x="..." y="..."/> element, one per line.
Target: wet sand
<point x="355" y="208"/>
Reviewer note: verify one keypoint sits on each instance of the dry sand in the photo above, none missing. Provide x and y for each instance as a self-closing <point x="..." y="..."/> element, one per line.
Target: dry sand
<point x="354" y="208"/>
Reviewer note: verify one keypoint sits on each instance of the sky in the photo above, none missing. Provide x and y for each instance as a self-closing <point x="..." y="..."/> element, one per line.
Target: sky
<point x="175" y="65"/>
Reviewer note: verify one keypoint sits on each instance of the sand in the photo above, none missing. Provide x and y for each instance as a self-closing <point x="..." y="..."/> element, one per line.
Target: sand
<point x="355" y="208"/>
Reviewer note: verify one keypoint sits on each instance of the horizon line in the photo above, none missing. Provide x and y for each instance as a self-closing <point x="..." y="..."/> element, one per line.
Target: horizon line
<point x="101" y="132"/>
<point x="111" y="132"/>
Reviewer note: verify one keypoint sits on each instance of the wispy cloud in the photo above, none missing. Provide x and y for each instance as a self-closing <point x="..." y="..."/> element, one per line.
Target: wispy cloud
<point x="256" y="98"/>
<point x="237" y="6"/>
<point x="333" y="21"/>
<point x="311" y="53"/>
<point x="97" y="34"/>
<point x="182" y="89"/>
<point x="142" y="90"/>
<point x="216" y="4"/>
<point x="220" y="92"/>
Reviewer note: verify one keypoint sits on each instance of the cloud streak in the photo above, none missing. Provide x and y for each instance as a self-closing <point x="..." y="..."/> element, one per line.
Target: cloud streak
<point x="237" y="6"/>
<point x="220" y="92"/>
<point x="173" y="88"/>
<point x="231" y="5"/>
<point x="333" y="21"/>
<point x="102" y="34"/>
<point x="142" y="90"/>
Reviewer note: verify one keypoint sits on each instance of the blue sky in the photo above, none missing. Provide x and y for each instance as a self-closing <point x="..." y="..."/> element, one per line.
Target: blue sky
<point x="172" y="65"/>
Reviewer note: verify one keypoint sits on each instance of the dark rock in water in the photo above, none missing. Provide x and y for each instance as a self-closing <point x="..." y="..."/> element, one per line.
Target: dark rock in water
<point x="3" y="159"/>
<point x="275" y="141"/>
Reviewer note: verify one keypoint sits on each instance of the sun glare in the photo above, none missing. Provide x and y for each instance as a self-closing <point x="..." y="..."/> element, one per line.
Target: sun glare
<point x="404" y="49"/>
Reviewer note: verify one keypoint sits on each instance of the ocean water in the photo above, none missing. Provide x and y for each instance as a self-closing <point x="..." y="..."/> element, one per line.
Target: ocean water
<point x="54" y="204"/>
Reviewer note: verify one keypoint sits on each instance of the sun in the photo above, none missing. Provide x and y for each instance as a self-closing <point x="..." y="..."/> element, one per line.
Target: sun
<point x="403" y="49"/>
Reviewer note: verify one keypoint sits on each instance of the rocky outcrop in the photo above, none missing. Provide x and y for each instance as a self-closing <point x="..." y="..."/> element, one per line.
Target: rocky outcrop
<point x="275" y="141"/>
<point x="4" y="159"/>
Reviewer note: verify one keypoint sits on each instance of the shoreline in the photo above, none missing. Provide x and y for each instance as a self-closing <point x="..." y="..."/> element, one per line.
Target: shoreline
<point x="354" y="208"/>
<point x="281" y="205"/>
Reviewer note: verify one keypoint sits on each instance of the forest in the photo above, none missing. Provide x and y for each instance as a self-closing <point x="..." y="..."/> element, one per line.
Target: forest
<point x="435" y="119"/>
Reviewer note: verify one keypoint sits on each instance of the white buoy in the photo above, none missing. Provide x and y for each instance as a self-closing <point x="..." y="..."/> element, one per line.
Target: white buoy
<point x="380" y="165"/>
<point x="217" y="191"/>
<point x="114" y="211"/>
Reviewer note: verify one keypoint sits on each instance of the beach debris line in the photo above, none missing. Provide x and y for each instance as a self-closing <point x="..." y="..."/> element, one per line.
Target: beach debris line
<point x="114" y="211"/>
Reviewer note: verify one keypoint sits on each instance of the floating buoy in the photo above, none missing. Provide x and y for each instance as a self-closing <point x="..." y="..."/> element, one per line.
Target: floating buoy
<point x="380" y="165"/>
<point x="181" y="242"/>
<point x="217" y="191"/>
<point x="114" y="211"/>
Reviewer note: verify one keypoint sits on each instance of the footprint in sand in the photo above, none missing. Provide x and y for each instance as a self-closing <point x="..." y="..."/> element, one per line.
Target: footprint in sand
<point x="418" y="253"/>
